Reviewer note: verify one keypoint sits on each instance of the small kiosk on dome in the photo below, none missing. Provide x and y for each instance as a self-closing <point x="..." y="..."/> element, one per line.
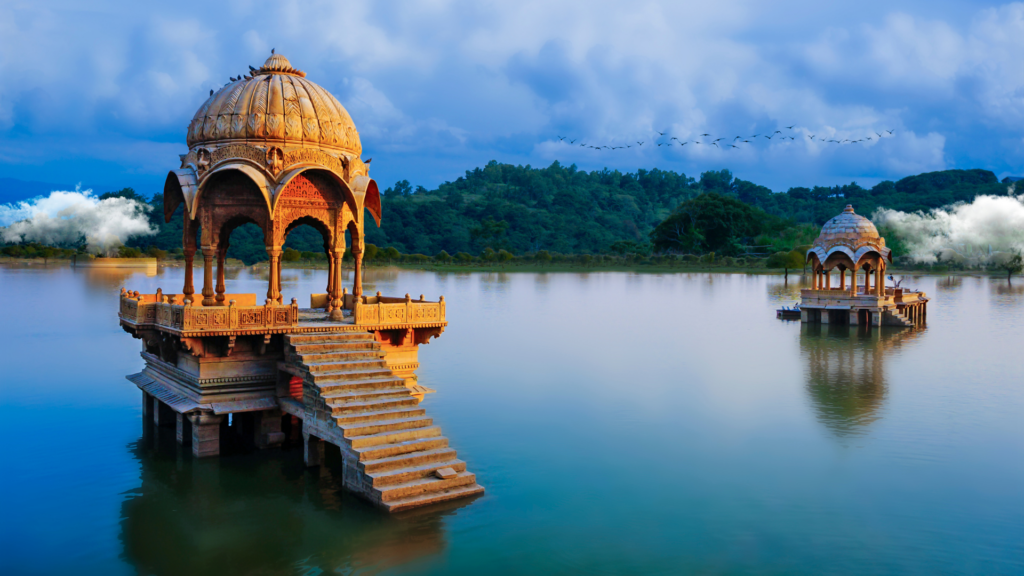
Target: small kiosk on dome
<point x="850" y="243"/>
<point x="274" y="149"/>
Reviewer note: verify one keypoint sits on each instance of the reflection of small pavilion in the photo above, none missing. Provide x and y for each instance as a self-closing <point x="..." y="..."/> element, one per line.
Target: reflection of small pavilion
<point x="846" y="372"/>
<point x="851" y="243"/>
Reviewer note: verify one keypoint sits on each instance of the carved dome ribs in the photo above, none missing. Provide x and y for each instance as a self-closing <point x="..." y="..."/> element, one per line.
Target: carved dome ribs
<point x="851" y="234"/>
<point x="276" y="106"/>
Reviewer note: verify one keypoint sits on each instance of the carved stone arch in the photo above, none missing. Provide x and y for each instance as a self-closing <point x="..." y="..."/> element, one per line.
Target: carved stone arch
<point x="839" y="258"/>
<point x="813" y="259"/>
<point x="228" y="196"/>
<point x="292" y="173"/>
<point x="869" y="259"/>
<point x="367" y="196"/>
<point x="254" y="175"/>
<point x="180" y="187"/>
<point x="320" y="221"/>
<point x="230" y="223"/>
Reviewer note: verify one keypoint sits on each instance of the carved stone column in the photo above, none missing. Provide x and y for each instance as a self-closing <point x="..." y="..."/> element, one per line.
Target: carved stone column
<point x="221" y="256"/>
<point x="189" y="289"/>
<point x="330" y="282"/>
<point x="274" y="288"/>
<point x="209" y="252"/>
<point x="336" y="313"/>
<point x="205" y="433"/>
<point x="357" y="285"/>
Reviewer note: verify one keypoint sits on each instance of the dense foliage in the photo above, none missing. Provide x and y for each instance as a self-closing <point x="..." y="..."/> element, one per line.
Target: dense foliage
<point x="563" y="210"/>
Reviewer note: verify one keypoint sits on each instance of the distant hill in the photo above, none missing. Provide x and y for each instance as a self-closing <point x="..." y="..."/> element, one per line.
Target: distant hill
<point x="14" y="190"/>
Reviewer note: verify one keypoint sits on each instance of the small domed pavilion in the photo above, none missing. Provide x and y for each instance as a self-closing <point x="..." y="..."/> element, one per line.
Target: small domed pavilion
<point x="850" y="243"/>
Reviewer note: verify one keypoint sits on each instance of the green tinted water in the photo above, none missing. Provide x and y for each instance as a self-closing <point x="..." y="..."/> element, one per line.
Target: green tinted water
<point x="622" y="424"/>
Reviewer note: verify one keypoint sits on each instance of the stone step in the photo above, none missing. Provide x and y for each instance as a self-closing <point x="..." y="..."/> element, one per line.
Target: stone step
<point x="373" y="405"/>
<point x="434" y="497"/>
<point x="424" y="486"/>
<point x="381" y="451"/>
<point x="329" y="337"/>
<point x="333" y="347"/>
<point x="392" y="382"/>
<point x="322" y="378"/>
<point x="345" y="397"/>
<point x="370" y="416"/>
<point x="363" y="429"/>
<point x="411" y="459"/>
<point x="346" y="366"/>
<point x="403" y="475"/>
<point x="339" y="356"/>
<point x="393" y="437"/>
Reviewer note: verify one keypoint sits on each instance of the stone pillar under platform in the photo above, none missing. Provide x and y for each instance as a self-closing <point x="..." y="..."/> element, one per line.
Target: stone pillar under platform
<point x="805" y="316"/>
<point x="312" y="450"/>
<point x="163" y="415"/>
<point x="206" y="428"/>
<point x="854" y="317"/>
<point x="147" y="406"/>
<point x="184" y="430"/>
<point x="267" y="429"/>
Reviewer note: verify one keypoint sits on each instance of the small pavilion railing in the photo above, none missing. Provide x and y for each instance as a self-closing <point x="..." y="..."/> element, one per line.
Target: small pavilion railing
<point x="384" y="310"/>
<point x="165" y="312"/>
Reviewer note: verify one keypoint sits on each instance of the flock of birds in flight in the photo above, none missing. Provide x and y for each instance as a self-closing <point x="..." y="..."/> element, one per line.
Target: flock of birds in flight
<point x="727" y="144"/>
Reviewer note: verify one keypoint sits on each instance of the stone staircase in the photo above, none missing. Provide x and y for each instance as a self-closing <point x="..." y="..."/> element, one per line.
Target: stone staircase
<point x="897" y="318"/>
<point x="393" y="453"/>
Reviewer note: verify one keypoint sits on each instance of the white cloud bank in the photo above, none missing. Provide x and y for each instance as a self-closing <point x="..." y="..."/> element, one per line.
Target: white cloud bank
<point x="986" y="229"/>
<point x="66" y="218"/>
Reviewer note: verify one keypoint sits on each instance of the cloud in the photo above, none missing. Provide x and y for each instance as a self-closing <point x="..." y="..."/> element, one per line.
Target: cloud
<point x="438" y="86"/>
<point x="66" y="218"/>
<point x="988" y="227"/>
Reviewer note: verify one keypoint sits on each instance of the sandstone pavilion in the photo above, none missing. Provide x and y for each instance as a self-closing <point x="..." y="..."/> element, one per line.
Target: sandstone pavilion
<point x="850" y="243"/>
<point x="274" y="149"/>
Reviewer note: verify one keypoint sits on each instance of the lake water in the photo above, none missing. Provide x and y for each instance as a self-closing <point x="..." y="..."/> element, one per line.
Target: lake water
<point x="621" y="423"/>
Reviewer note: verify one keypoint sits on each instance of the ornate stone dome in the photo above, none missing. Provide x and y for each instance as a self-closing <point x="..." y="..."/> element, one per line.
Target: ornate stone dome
<point x="851" y="234"/>
<point x="851" y="227"/>
<point x="274" y="105"/>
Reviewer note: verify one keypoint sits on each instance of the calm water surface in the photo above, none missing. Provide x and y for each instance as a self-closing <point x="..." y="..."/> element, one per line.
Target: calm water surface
<point x="621" y="423"/>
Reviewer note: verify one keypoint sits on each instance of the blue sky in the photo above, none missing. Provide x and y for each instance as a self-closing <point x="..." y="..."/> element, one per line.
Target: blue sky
<point x="101" y="92"/>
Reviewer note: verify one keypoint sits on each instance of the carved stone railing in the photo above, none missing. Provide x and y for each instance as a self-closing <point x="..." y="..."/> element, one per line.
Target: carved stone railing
<point x="826" y="293"/>
<point x="382" y="310"/>
<point x="145" y="309"/>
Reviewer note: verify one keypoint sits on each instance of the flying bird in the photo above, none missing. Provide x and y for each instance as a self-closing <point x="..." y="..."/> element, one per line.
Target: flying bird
<point x="640" y="143"/>
<point x="673" y="138"/>
<point x="746" y="141"/>
<point x="660" y="133"/>
<point x="755" y="135"/>
<point x="573" y="141"/>
<point x="777" y="132"/>
<point x="790" y="127"/>
<point x="877" y="134"/>
<point x="731" y="146"/>
<point x="768" y="137"/>
<point x="560" y="138"/>
<point x="705" y="134"/>
<point x="889" y="131"/>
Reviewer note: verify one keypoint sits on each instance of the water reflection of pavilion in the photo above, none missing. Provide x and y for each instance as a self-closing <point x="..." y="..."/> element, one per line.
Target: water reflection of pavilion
<point x="251" y="514"/>
<point x="846" y="372"/>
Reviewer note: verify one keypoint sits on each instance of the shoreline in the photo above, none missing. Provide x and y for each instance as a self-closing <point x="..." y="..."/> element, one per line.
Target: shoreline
<point x="530" y="268"/>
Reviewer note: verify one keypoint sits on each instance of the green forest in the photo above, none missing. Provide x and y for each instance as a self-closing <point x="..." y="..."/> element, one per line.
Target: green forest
<point x="521" y="210"/>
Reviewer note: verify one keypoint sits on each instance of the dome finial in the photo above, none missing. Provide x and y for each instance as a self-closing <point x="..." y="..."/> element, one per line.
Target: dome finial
<point x="848" y="209"/>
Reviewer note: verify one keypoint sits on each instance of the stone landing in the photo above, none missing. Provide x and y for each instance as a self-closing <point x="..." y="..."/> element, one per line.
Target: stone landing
<point x="393" y="453"/>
